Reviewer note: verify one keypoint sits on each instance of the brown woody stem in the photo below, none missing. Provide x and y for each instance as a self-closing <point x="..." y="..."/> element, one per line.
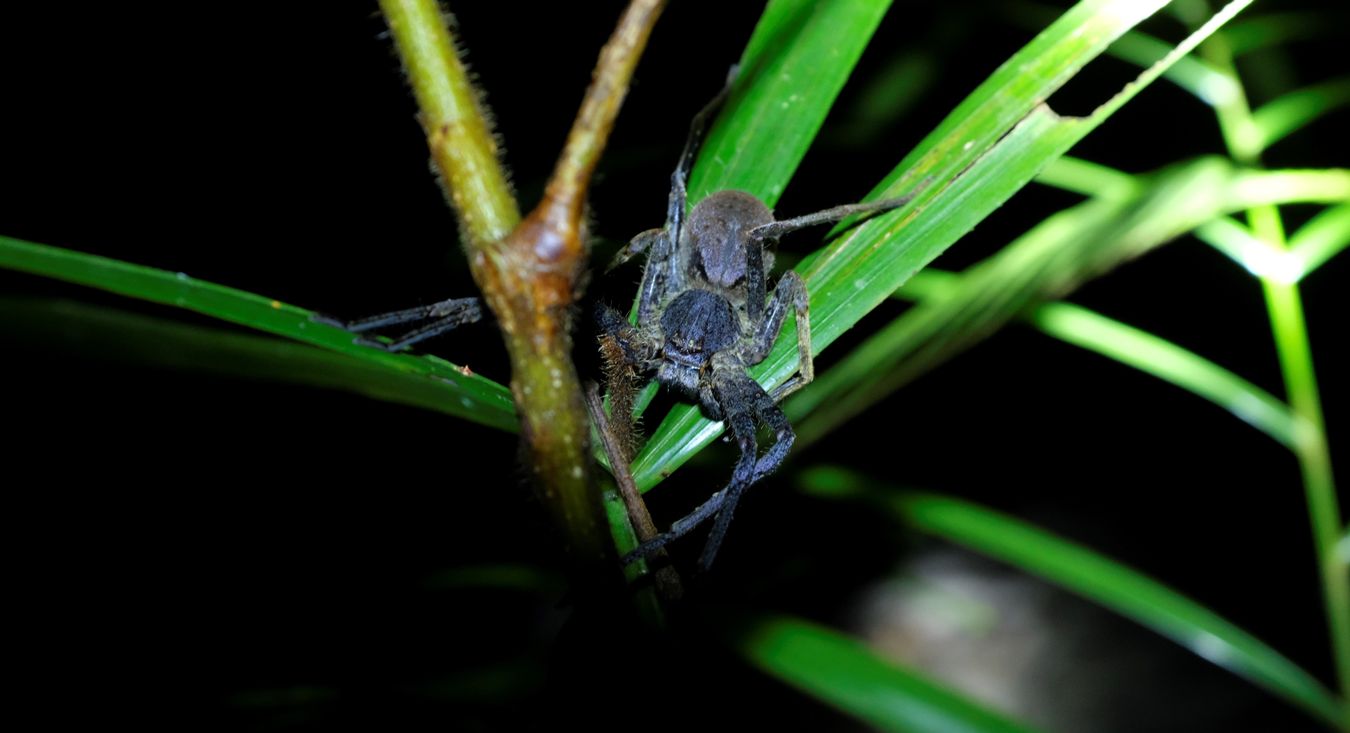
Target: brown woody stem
<point x="667" y="580"/>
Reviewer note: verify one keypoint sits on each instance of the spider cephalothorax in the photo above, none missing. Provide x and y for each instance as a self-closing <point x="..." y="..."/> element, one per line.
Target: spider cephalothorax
<point x="704" y="316"/>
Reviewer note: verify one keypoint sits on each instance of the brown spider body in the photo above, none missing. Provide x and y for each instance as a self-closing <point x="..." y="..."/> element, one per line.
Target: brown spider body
<point x="704" y="316"/>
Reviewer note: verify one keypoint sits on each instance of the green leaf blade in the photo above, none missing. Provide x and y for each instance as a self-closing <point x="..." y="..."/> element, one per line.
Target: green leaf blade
<point x="845" y="674"/>
<point x="1170" y="363"/>
<point x="1287" y="114"/>
<point x="798" y="59"/>
<point x="443" y="386"/>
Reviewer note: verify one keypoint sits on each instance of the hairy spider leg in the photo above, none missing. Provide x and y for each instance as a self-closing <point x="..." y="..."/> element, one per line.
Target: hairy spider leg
<point x="638" y="350"/>
<point x="755" y="286"/>
<point x="776" y="229"/>
<point x="682" y="526"/>
<point x="449" y="314"/>
<point x="791" y="292"/>
<point x="679" y="193"/>
<point x="745" y="403"/>
<point x="679" y="179"/>
<point x="660" y="277"/>
<point x="636" y="246"/>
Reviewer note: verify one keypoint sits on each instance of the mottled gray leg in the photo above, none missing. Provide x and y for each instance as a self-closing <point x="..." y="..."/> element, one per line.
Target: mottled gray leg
<point x="776" y="229"/>
<point x="680" y="528"/>
<point x="639" y="244"/>
<point x="735" y="392"/>
<point x="448" y="314"/>
<point x="751" y="403"/>
<point x="659" y="277"/>
<point x="662" y="274"/>
<point x="790" y="292"/>
<point x="744" y="401"/>
<point x="699" y="125"/>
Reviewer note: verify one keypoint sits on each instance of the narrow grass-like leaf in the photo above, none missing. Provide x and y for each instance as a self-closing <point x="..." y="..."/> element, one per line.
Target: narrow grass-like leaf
<point x="1139" y="349"/>
<point x="797" y="60"/>
<point x="1088" y="178"/>
<point x="1257" y="256"/>
<point x="1322" y="237"/>
<point x="1326" y="234"/>
<point x="959" y="310"/>
<point x="1280" y="117"/>
<point x="117" y="335"/>
<point x="845" y="674"/>
<point x="886" y="95"/>
<point x="1170" y="363"/>
<point x="1273" y="29"/>
<point x="1045" y="263"/>
<point x="1100" y="579"/>
<point x="466" y="395"/>
<point x="1262" y="188"/>
<point x="1202" y="80"/>
<point x="991" y="146"/>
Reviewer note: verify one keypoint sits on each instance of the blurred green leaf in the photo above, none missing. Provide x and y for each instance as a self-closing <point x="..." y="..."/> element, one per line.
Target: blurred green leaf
<point x="1281" y="117"/>
<point x="1049" y="261"/>
<point x="1255" y="188"/>
<point x="886" y="96"/>
<point x="1322" y="237"/>
<point x="1141" y="350"/>
<point x="848" y="676"/>
<point x="1206" y="83"/>
<point x="1316" y="242"/>
<point x="424" y="380"/>
<point x="1089" y="179"/>
<point x="986" y="150"/>
<point x="1257" y="256"/>
<point x="1100" y="579"/>
<point x="1274" y="29"/>
<point x="1170" y="363"/>
<point x="499" y="576"/>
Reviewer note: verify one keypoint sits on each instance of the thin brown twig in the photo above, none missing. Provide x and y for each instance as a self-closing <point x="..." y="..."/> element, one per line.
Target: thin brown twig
<point x="667" y="579"/>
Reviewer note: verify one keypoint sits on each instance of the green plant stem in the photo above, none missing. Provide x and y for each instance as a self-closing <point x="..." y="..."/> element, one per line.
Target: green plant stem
<point x="528" y="269"/>
<point x="531" y="280"/>
<point x="1285" y="307"/>
<point x="457" y="130"/>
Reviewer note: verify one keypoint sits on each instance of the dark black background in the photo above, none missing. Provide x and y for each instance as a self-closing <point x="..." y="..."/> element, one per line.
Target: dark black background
<point x="184" y="546"/>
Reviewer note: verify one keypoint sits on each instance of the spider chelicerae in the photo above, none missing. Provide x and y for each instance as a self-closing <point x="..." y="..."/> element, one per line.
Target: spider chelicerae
<point x="704" y="315"/>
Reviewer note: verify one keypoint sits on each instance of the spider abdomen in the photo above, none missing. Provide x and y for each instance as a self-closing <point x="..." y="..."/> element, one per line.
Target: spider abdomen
<point x="699" y="323"/>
